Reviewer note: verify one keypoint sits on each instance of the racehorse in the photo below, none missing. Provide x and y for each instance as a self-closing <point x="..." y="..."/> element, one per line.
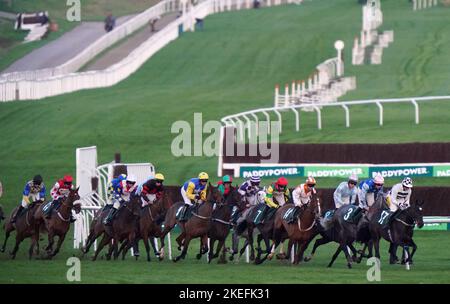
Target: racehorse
<point x="299" y="233"/>
<point x="220" y="223"/>
<point x="198" y="225"/>
<point x="24" y="227"/>
<point x="342" y="232"/>
<point x="58" y="224"/>
<point x="399" y="232"/>
<point x="149" y="223"/>
<point x="123" y="229"/>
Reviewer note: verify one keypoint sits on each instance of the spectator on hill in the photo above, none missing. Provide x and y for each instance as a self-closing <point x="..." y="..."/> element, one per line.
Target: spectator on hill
<point x="152" y="23"/>
<point x="110" y="22"/>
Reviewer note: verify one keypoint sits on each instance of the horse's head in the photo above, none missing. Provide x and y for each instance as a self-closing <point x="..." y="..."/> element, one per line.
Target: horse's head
<point x="313" y="207"/>
<point x="415" y="212"/>
<point x="214" y="195"/>
<point x="72" y="197"/>
<point x="134" y="205"/>
<point x="234" y="198"/>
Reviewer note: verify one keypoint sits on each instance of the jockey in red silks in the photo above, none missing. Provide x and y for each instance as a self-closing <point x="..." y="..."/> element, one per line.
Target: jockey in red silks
<point x="60" y="191"/>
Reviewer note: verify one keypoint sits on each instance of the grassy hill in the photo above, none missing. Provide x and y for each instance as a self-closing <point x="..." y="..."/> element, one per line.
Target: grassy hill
<point x="229" y="67"/>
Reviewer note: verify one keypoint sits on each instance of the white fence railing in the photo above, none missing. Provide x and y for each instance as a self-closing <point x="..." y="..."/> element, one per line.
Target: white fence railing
<point x="422" y="4"/>
<point x="242" y="121"/>
<point x="42" y="83"/>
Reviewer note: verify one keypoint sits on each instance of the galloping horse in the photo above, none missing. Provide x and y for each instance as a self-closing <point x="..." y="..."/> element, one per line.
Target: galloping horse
<point x="198" y="225"/>
<point x="149" y="223"/>
<point x="220" y="224"/>
<point x="123" y="229"/>
<point x="399" y="232"/>
<point x="301" y="232"/>
<point x="24" y="227"/>
<point x="58" y="224"/>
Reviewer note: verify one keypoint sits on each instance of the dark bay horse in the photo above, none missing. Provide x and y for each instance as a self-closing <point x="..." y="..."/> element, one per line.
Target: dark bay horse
<point x="123" y="229"/>
<point x="345" y="234"/>
<point x="299" y="233"/>
<point x="24" y="227"/>
<point x="399" y="232"/>
<point x="149" y="223"/>
<point x="198" y="225"/>
<point x="58" y="224"/>
<point x="220" y="223"/>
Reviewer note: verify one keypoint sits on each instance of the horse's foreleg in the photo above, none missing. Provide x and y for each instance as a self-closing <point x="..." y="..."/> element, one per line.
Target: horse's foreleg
<point x="123" y="249"/>
<point x="211" y="250"/>
<point x="222" y="259"/>
<point x="393" y="259"/>
<point x="7" y="234"/>
<point x="187" y="240"/>
<point x="105" y="240"/>
<point x="335" y="255"/>
<point x="345" y="247"/>
<point x="147" y="246"/>
<point x="34" y="241"/>
<point x="414" y="246"/>
<point x="153" y="242"/>
<point x="19" y="239"/>
<point x="180" y="240"/>
<point x="58" y="245"/>
<point x="317" y="243"/>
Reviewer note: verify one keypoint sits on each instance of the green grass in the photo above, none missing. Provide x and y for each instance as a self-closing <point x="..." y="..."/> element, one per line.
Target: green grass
<point x="230" y="67"/>
<point x="12" y="49"/>
<point x="431" y="265"/>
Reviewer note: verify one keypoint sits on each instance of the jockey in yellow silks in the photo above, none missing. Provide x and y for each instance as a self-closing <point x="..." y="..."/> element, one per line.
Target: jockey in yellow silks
<point x="194" y="190"/>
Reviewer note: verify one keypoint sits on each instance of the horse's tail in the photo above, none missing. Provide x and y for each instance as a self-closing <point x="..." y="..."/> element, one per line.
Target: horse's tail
<point x="241" y="227"/>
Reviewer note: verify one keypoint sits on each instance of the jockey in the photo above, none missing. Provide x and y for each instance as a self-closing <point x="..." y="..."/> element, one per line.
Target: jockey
<point x="194" y="190"/>
<point x="60" y="191"/>
<point x="346" y="192"/>
<point x="152" y="189"/>
<point x="398" y="197"/>
<point x="368" y="187"/>
<point x="302" y="195"/>
<point x="249" y="189"/>
<point x="33" y="192"/>
<point x="114" y="186"/>
<point x="124" y="193"/>
<point x="225" y="185"/>
<point x="277" y="194"/>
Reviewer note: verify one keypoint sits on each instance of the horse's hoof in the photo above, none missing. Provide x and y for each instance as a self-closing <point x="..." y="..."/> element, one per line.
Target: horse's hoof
<point x="257" y="261"/>
<point x="281" y="256"/>
<point x="2" y="250"/>
<point x="349" y="265"/>
<point x="198" y="256"/>
<point x="307" y="259"/>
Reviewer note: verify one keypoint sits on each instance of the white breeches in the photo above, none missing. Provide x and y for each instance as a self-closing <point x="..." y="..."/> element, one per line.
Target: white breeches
<point x="186" y="199"/>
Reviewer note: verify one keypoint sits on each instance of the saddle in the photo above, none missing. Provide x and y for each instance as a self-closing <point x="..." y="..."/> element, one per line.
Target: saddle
<point x="291" y="214"/>
<point x="263" y="213"/>
<point x="183" y="216"/>
<point x="386" y="217"/>
<point x="353" y="215"/>
<point x="326" y="220"/>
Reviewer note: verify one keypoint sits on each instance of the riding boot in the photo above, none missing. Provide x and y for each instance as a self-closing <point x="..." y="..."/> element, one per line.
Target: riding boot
<point x="48" y="215"/>
<point x="184" y="212"/>
<point x="14" y="218"/>
<point x="294" y="214"/>
<point x="110" y="217"/>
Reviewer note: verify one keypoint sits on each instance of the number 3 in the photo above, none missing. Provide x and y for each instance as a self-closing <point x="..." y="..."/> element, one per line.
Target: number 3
<point x="349" y="211"/>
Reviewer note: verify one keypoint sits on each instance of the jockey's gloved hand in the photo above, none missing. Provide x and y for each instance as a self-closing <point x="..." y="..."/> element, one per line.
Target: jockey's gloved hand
<point x="145" y="197"/>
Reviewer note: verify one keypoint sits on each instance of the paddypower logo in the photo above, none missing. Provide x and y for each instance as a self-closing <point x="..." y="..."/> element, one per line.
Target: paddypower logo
<point x="317" y="171"/>
<point x="401" y="171"/>
<point x="247" y="172"/>
<point x="442" y="171"/>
